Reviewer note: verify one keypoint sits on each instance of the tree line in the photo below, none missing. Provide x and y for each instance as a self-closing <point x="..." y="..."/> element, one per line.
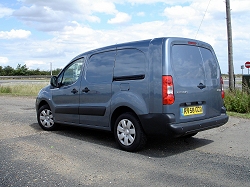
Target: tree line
<point x="22" y="70"/>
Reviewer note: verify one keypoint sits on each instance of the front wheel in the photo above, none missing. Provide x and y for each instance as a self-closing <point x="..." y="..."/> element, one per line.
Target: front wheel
<point x="128" y="133"/>
<point x="45" y="118"/>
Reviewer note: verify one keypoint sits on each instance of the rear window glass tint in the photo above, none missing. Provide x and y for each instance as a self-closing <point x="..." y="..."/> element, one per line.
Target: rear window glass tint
<point x="211" y="66"/>
<point x="193" y="65"/>
<point x="129" y="62"/>
<point x="187" y="64"/>
<point x="100" y="67"/>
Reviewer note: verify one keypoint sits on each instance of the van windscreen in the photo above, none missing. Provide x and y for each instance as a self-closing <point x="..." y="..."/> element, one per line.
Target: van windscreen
<point x="193" y="65"/>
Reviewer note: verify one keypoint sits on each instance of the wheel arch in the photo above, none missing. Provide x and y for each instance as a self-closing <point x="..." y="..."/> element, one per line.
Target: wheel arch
<point x="42" y="103"/>
<point x="118" y="111"/>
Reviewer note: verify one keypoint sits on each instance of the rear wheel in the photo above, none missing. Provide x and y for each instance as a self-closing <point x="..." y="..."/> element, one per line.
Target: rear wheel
<point x="128" y="133"/>
<point x="45" y="118"/>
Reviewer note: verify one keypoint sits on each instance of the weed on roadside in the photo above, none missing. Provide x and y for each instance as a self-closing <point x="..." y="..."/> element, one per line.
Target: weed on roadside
<point x="237" y="101"/>
<point x="21" y="89"/>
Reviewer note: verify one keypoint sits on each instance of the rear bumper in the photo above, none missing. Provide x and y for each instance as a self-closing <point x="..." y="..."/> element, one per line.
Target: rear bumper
<point x="164" y="124"/>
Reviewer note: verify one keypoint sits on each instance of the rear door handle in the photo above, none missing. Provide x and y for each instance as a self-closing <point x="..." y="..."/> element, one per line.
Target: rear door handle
<point x="86" y="90"/>
<point x="74" y="91"/>
<point x="201" y="86"/>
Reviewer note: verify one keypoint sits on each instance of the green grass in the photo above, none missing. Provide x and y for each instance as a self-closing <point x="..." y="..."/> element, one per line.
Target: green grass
<point x="239" y="115"/>
<point x="237" y="103"/>
<point x="21" y="89"/>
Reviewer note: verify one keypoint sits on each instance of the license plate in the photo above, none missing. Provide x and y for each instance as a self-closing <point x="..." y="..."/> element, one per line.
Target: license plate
<point x="193" y="110"/>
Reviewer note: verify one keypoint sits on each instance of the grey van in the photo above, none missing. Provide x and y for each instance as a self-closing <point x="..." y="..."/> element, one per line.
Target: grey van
<point x="162" y="86"/>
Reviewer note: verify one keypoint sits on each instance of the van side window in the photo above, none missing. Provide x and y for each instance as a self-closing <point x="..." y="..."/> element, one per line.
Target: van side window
<point x="71" y="74"/>
<point x="100" y="67"/>
<point x="130" y="64"/>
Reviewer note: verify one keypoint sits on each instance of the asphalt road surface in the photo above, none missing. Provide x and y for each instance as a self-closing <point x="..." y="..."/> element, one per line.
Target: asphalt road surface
<point x="75" y="156"/>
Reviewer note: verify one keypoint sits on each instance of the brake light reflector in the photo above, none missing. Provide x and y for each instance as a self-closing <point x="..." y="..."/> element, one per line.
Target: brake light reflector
<point x="167" y="90"/>
<point x="222" y="88"/>
<point x="192" y="43"/>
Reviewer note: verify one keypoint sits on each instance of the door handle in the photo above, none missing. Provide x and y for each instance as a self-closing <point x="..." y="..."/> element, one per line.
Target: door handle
<point x="74" y="91"/>
<point x="86" y="90"/>
<point x="201" y="86"/>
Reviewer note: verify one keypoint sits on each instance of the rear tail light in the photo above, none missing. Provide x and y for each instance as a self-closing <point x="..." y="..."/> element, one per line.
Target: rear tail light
<point x="222" y="88"/>
<point x="167" y="90"/>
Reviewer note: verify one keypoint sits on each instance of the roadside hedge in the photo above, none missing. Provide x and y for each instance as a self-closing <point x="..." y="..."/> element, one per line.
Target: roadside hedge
<point x="22" y="70"/>
<point x="237" y="101"/>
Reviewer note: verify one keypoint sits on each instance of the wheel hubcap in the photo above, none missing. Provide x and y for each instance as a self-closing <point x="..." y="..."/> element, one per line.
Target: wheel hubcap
<point x="46" y="118"/>
<point x="126" y="132"/>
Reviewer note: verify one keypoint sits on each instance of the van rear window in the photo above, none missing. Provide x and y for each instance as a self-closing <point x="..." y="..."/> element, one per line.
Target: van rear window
<point x="193" y="65"/>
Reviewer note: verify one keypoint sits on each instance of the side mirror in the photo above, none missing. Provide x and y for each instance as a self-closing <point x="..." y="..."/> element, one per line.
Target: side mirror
<point x="53" y="81"/>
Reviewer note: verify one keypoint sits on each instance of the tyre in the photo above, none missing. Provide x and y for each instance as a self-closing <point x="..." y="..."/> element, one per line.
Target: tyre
<point x="128" y="133"/>
<point x="45" y="118"/>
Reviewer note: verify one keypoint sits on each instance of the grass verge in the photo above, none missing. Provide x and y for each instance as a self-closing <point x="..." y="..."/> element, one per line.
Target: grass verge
<point x="21" y="89"/>
<point x="239" y="115"/>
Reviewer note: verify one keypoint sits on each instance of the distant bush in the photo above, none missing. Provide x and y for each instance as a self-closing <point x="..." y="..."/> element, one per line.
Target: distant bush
<point x="237" y="101"/>
<point x="24" y="71"/>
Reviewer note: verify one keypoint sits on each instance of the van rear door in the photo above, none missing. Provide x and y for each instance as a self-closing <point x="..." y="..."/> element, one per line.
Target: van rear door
<point x="196" y="79"/>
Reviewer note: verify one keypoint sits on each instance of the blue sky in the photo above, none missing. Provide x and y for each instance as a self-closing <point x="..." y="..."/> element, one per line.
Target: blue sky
<point x="40" y="32"/>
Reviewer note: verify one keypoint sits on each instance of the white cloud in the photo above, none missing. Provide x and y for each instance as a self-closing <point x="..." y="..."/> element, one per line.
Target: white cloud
<point x="150" y="1"/>
<point x="31" y="64"/>
<point x="55" y="15"/>
<point x="179" y="12"/>
<point x="3" y="60"/>
<point x="14" y="34"/>
<point x="120" y="17"/>
<point x="141" y="14"/>
<point x="184" y="15"/>
<point x="76" y="6"/>
<point x="39" y="14"/>
<point x="41" y="17"/>
<point x="240" y="5"/>
<point x="101" y="6"/>
<point x="5" y="11"/>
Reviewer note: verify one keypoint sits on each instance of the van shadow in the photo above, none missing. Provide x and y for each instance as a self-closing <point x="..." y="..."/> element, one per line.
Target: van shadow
<point x="95" y="136"/>
<point x="165" y="147"/>
<point x="156" y="146"/>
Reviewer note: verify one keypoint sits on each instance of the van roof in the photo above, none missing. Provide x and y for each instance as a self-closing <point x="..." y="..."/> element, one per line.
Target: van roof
<point x="140" y="44"/>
